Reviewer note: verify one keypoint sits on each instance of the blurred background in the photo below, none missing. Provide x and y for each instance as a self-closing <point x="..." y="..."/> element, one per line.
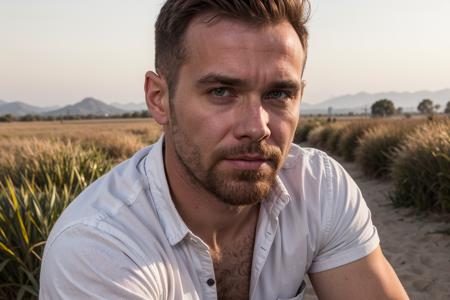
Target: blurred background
<point x="55" y="53"/>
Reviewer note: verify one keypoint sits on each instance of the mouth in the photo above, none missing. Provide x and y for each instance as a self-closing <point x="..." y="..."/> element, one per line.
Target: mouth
<point x="248" y="161"/>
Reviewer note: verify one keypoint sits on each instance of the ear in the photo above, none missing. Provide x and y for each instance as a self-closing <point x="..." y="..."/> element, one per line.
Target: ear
<point x="157" y="97"/>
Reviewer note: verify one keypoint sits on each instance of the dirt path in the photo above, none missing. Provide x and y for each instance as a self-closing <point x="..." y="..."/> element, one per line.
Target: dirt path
<point x="413" y="243"/>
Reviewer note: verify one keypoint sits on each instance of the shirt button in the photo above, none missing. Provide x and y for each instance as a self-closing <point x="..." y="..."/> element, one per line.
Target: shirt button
<point x="210" y="282"/>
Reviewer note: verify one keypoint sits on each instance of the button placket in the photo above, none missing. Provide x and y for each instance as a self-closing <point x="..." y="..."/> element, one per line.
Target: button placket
<point x="262" y="251"/>
<point x="206" y="273"/>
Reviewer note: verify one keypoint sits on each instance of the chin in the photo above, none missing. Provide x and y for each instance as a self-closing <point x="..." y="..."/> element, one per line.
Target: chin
<point x="243" y="193"/>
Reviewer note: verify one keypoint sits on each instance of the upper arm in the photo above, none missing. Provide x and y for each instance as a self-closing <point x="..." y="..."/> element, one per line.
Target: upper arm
<point x="83" y="263"/>
<point x="371" y="277"/>
<point x="346" y="232"/>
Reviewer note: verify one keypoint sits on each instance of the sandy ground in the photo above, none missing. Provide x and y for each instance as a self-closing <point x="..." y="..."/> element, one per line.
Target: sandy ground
<point x="413" y="243"/>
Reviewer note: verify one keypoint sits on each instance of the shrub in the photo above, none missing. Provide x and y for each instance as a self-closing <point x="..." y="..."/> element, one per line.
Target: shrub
<point x="377" y="146"/>
<point x="334" y="138"/>
<point x="349" y="139"/>
<point x="315" y="135"/>
<point x="421" y="168"/>
<point x="325" y="134"/>
<point x="302" y="131"/>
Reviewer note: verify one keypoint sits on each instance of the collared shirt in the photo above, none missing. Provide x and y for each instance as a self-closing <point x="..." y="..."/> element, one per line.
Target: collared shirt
<point x="122" y="238"/>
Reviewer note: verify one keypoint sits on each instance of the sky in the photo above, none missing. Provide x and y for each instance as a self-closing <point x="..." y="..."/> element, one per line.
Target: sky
<point x="57" y="52"/>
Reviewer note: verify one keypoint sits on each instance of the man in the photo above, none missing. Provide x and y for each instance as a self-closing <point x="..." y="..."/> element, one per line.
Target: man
<point x="223" y="206"/>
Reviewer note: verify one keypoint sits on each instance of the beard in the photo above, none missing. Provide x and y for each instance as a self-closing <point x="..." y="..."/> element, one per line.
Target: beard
<point x="232" y="186"/>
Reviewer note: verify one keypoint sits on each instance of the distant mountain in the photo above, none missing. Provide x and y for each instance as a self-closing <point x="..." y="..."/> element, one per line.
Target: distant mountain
<point x="50" y="108"/>
<point x="2" y="102"/>
<point x="130" y="106"/>
<point x="19" y="109"/>
<point x="87" y="106"/>
<point x="363" y="101"/>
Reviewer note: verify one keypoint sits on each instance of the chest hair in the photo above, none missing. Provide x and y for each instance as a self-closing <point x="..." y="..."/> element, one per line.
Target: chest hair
<point x="232" y="268"/>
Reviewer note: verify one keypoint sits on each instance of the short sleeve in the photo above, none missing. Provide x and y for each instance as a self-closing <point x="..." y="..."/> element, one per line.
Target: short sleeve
<point x="84" y="263"/>
<point x="347" y="233"/>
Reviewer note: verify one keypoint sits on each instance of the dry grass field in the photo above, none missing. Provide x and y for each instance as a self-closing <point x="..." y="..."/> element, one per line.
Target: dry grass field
<point x="81" y="128"/>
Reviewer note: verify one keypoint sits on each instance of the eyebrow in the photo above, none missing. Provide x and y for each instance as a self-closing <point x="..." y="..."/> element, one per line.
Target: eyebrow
<point x="286" y="85"/>
<point x="214" y="78"/>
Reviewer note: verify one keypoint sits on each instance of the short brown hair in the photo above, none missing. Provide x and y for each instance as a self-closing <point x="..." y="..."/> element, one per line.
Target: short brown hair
<point x="175" y="16"/>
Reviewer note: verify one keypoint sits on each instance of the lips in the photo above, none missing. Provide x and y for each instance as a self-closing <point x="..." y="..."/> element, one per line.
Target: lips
<point x="248" y="161"/>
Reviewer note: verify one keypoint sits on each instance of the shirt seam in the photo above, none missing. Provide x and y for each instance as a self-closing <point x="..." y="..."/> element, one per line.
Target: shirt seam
<point x="93" y="226"/>
<point x="329" y="200"/>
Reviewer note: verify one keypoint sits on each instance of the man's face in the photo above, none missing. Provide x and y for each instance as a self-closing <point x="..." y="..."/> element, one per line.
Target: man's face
<point x="236" y="107"/>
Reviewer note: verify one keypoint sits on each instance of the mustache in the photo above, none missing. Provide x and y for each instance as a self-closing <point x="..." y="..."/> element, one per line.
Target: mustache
<point x="262" y="149"/>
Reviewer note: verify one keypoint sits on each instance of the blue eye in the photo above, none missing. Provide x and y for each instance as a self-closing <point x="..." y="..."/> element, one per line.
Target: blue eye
<point x="278" y="95"/>
<point x="220" y="92"/>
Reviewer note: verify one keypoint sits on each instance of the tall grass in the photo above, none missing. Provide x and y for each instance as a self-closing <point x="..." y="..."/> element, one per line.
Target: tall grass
<point x="40" y="174"/>
<point x="421" y="169"/>
<point x="32" y="197"/>
<point x="332" y="143"/>
<point x="324" y="136"/>
<point x="414" y="153"/>
<point x="305" y="127"/>
<point x="376" y="147"/>
<point x="349" y="138"/>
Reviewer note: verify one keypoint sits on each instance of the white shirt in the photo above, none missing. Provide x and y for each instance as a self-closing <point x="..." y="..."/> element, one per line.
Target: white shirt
<point x="122" y="238"/>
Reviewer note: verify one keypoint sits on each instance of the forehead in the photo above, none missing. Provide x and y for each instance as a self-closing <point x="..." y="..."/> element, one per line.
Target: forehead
<point x="236" y="45"/>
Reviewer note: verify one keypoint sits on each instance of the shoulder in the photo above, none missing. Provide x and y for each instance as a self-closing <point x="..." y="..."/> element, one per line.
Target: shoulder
<point x="115" y="210"/>
<point x="310" y="160"/>
<point x="99" y="235"/>
<point x="309" y="171"/>
<point x="327" y="203"/>
<point x="104" y="198"/>
<point x="84" y="261"/>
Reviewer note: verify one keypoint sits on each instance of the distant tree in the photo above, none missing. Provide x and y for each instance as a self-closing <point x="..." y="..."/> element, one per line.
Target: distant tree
<point x="399" y="110"/>
<point x="7" y="118"/>
<point x="49" y="118"/>
<point x="145" y="114"/>
<point x="383" y="107"/>
<point x="30" y="118"/>
<point x="447" y="108"/>
<point x="426" y="106"/>
<point x="437" y="107"/>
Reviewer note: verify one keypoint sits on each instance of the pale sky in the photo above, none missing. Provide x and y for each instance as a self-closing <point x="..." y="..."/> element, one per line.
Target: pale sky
<point x="56" y="52"/>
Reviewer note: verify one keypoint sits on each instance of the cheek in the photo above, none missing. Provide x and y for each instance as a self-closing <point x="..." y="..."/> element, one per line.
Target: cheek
<point x="283" y="130"/>
<point x="205" y="129"/>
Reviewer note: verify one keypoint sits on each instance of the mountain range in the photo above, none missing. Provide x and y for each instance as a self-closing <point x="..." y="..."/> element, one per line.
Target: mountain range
<point x="87" y="106"/>
<point x="20" y="109"/>
<point x="356" y="103"/>
<point x="362" y="101"/>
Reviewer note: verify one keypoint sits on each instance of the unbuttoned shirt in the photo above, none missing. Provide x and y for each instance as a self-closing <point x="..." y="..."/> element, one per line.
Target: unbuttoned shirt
<point x="122" y="238"/>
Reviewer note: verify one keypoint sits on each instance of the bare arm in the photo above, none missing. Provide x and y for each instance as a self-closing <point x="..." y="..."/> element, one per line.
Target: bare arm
<point x="371" y="277"/>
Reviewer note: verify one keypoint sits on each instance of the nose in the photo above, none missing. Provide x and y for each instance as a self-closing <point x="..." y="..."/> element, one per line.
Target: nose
<point x="252" y="122"/>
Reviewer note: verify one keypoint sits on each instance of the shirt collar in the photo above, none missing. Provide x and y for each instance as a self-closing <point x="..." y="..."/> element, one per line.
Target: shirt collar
<point x="171" y="222"/>
<point x="277" y="199"/>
